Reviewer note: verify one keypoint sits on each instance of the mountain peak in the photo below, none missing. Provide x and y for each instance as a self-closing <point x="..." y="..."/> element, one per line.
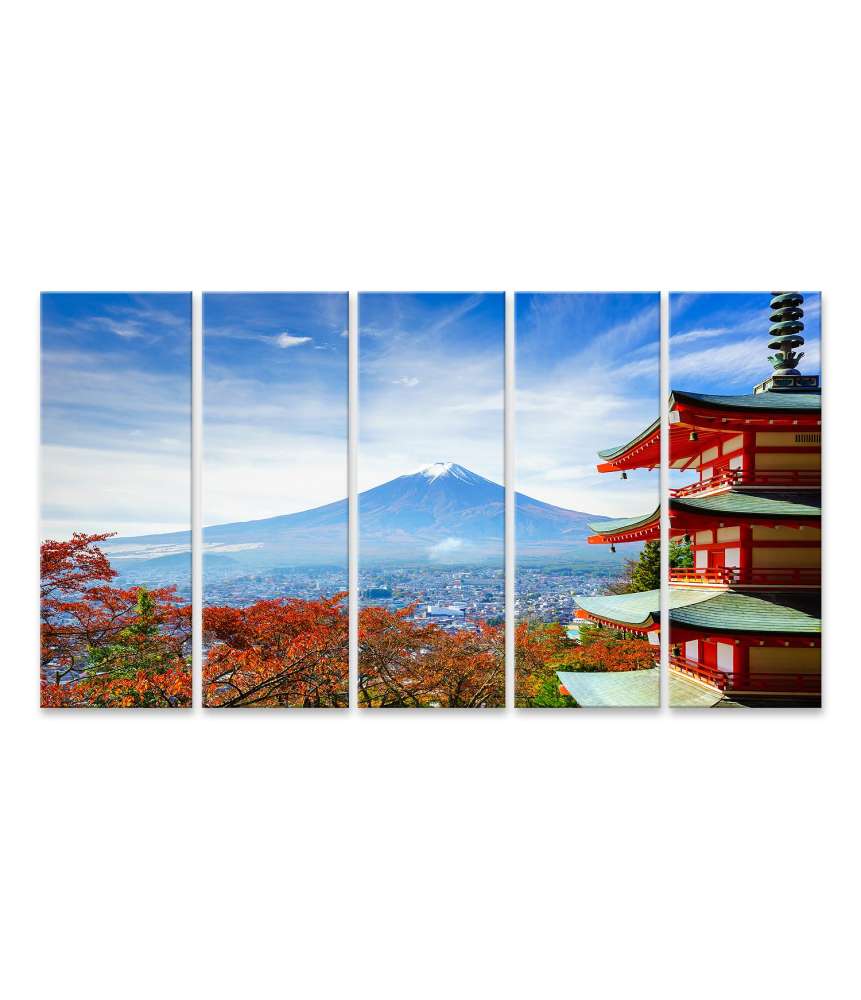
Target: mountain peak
<point x="437" y="470"/>
<point x="434" y="470"/>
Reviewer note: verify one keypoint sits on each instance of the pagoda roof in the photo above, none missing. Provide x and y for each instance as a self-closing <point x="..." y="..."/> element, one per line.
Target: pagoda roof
<point x="641" y="610"/>
<point x="769" y="400"/>
<point x="626" y="528"/>
<point x="613" y="689"/>
<point x="734" y="612"/>
<point x="696" y="608"/>
<point x="637" y="689"/>
<point x="773" y="505"/>
<point x="643" y="450"/>
<point x="610" y="453"/>
<point x="765" y="505"/>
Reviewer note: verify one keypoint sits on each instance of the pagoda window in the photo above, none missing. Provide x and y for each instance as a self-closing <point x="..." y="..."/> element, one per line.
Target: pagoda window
<point x="704" y="537"/>
<point x="709" y="455"/>
<point x="692" y="650"/>
<point x="725" y="657"/>
<point x="732" y="558"/>
<point x="733" y="444"/>
<point x="701" y="558"/>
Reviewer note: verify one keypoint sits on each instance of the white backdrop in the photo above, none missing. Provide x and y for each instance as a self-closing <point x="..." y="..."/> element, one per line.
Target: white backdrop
<point x="435" y="146"/>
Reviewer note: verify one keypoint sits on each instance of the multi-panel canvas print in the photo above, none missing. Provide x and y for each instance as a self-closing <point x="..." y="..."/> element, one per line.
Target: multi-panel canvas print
<point x="116" y="500"/>
<point x="744" y="504"/>
<point x="587" y="518"/>
<point x="275" y="619"/>
<point x="741" y="520"/>
<point x="431" y="501"/>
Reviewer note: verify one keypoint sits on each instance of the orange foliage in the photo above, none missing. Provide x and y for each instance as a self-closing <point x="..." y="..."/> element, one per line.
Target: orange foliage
<point x="295" y="652"/>
<point x="407" y="664"/>
<point x="108" y="646"/>
<point x="283" y="651"/>
<point x="538" y="651"/>
<point x="614" y="654"/>
<point x="542" y="649"/>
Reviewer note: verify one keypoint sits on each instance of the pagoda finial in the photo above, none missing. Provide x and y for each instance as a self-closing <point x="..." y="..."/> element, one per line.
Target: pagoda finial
<point x="785" y="332"/>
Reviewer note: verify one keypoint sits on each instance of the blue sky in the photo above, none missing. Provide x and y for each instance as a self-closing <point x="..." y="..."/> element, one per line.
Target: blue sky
<point x="587" y="378"/>
<point x="719" y="340"/>
<point x="116" y="412"/>
<point x="431" y="383"/>
<point x="275" y="403"/>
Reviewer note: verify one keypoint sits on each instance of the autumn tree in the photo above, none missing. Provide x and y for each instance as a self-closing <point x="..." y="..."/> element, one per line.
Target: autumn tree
<point x="71" y="573"/>
<point x="606" y="649"/>
<point x="283" y="651"/>
<point x="541" y="648"/>
<point x="107" y="646"/>
<point x="408" y="664"/>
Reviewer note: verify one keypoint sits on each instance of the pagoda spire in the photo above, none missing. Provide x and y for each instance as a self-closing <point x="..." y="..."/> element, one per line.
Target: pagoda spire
<point x="785" y="332"/>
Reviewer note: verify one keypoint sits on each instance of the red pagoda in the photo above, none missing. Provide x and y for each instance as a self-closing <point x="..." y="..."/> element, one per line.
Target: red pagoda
<point x="745" y="617"/>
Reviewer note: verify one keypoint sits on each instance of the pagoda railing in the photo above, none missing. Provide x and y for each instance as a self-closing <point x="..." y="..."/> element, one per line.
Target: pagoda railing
<point x="734" y="576"/>
<point x="729" y="478"/>
<point x="756" y="682"/>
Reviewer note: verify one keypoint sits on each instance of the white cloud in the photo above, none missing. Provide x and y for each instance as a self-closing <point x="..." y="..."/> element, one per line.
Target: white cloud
<point x="407" y="381"/>
<point x="587" y="398"/>
<point x="234" y="547"/>
<point x="288" y="340"/>
<point x="126" y="329"/>
<point x="683" y="338"/>
<point x="96" y="489"/>
<point x="445" y="547"/>
<point x="744" y="358"/>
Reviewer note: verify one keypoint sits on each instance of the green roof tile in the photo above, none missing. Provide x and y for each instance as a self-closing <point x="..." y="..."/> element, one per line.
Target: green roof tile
<point x="622" y="523"/>
<point x="774" y="503"/>
<point x="697" y="607"/>
<point x="775" y="614"/>
<point x="805" y="401"/>
<point x="613" y="689"/>
<point x="611" y="453"/>
<point x="793" y="401"/>
<point x="643" y="608"/>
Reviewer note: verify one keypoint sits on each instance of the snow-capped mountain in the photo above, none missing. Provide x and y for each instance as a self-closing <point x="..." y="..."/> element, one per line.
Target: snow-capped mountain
<point x="441" y="513"/>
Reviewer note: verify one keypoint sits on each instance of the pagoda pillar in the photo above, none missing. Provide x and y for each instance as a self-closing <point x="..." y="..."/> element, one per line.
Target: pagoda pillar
<point x="740" y="664"/>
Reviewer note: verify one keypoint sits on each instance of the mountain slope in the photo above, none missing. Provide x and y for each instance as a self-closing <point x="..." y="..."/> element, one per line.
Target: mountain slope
<point x="442" y="513"/>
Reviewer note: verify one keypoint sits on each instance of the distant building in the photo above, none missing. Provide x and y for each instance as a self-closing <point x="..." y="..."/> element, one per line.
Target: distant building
<point x="377" y="593"/>
<point x="451" y="611"/>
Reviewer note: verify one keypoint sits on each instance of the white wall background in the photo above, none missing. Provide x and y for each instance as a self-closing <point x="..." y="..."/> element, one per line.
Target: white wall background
<point x="434" y="146"/>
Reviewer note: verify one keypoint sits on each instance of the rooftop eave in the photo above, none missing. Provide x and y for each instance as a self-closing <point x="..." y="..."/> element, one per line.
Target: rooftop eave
<point x="643" y="451"/>
<point x="634" y="529"/>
